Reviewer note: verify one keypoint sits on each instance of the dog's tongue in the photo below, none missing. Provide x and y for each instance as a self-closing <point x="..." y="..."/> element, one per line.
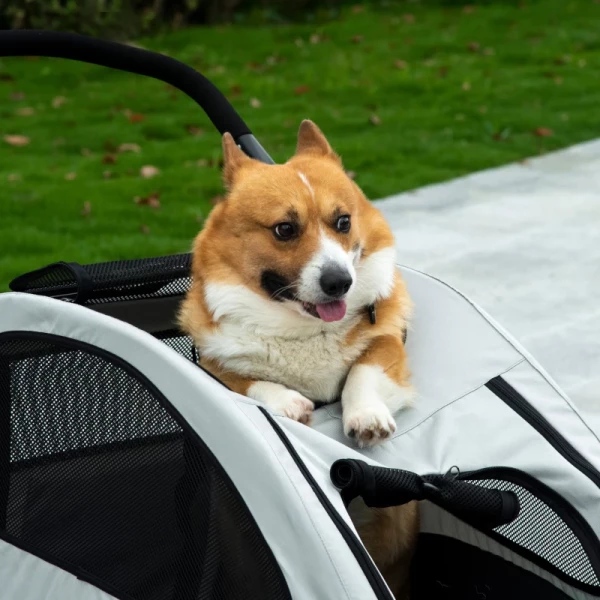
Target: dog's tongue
<point x="331" y="311"/>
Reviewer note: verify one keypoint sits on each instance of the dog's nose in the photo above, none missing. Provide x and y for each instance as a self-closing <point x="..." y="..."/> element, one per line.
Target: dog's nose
<point x="335" y="281"/>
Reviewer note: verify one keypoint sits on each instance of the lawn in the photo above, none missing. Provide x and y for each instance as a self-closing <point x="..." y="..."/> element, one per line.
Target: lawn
<point x="409" y="94"/>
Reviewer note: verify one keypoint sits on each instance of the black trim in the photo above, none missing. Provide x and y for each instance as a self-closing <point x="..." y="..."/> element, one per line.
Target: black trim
<point x="362" y="556"/>
<point x="562" y="507"/>
<point x="510" y="396"/>
<point x="173" y="412"/>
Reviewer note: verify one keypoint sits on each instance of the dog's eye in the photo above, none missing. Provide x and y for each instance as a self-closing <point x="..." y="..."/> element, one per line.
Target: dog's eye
<point x="343" y="224"/>
<point x="284" y="231"/>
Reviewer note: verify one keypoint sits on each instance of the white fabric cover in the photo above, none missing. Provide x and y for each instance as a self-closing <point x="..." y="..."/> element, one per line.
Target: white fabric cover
<point x="454" y="350"/>
<point x="27" y="577"/>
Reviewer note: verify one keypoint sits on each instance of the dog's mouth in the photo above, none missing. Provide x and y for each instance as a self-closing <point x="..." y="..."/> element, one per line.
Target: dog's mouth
<point x="326" y="311"/>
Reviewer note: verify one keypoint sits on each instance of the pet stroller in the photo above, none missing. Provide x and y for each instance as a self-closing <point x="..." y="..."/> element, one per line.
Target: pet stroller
<point x="128" y="472"/>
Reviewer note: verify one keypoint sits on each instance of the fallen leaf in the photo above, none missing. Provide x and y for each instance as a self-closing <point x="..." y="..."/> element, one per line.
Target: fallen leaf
<point x="466" y="86"/>
<point x="409" y="18"/>
<point x="468" y="9"/>
<point x="473" y="47"/>
<point x="299" y="42"/>
<point x="202" y="162"/>
<point x="357" y="39"/>
<point x="218" y="69"/>
<point x="107" y="174"/>
<point x="6" y="77"/>
<point x="558" y="80"/>
<point x="145" y="229"/>
<point x="26" y="111"/>
<point x="400" y="64"/>
<point x="489" y="52"/>
<point x="524" y="161"/>
<point x="216" y="199"/>
<point x="357" y="8"/>
<point x="128" y="148"/>
<point x="351" y="174"/>
<point x="136" y="118"/>
<point x="149" y="171"/>
<point x="542" y="132"/>
<point x="87" y="209"/>
<point x="254" y="66"/>
<point x="70" y="176"/>
<point x="563" y="60"/>
<point x="58" y="101"/>
<point x="301" y="89"/>
<point x="109" y="159"/>
<point x="374" y="120"/>
<point x="315" y="38"/>
<point x="443" y="71"/>
<point x="12" y="177"/>
<point x="17" y="96"/>
<point x="194" y="130"/>
<point x="152" y="200"/>
<point x="255" y="102"/>
<point x="235" y="89"/>
<point x="86" y="152"/>
<point x="16" y="140"/>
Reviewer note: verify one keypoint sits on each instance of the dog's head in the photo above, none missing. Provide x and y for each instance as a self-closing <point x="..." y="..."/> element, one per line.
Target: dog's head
<point x="295" y="234"/>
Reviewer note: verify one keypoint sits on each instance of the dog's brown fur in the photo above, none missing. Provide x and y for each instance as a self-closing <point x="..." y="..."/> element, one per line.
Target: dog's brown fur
<point x="237" y="241"/>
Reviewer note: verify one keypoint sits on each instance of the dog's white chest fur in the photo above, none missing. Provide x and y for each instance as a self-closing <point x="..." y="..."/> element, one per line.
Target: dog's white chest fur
<point x="316" y="365"/>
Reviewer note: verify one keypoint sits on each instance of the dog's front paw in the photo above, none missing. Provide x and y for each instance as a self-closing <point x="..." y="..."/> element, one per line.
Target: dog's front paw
<point x="369" y="424"/>
<point x="294" y="406"/>
<point x="288" y="402"/>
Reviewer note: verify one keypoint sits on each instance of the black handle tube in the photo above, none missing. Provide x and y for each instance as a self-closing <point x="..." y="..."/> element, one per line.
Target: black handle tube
<point x="381" y="487"/>
<point x="54" y="44"/>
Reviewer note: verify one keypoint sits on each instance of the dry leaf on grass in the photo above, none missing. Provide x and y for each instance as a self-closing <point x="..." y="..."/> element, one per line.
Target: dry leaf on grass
<point x="409" y="18"/>
<point x="13" y="177"/>
<point x="26" y="111"/>
<point x="194" y="130"/>
<point x="86" y="152"/>
<point x="70" y="176"/>
<point x="235" y="90"/>
<point x="315" y="38"/>
<point x="149" y="171"/>
<point x="136" y="117"/>
<point x="87" y="209"/>
<point x="145" y="229"/>
<point x="107" y="174"/>
<point x="128" y="148"/>
<point x="109" y="159"/>
<point x="58" y="101"/>
<point x="6" y="77"/>
<point x="542" y="132"/>
<point x="400" y="64"/>
<point x="16" y="140"/>
<point x="374" y="120"/>
<point x="152" y="200"/>
<point x="357" y="39"/>
<point x="473" y="47"/>
<point x="202" y="162"/>
<point x="17" y="96"/>
<point x="301" y="89"/>
<point x="466" y="86"/>
<point x="255" y="103"/>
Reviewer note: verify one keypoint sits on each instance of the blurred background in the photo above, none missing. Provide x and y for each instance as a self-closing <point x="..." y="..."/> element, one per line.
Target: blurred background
<point x="98" y="165"/>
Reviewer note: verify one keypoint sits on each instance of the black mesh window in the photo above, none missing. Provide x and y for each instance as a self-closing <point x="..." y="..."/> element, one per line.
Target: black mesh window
<point x="557" y="537"/>
<point x="98" y="477"/>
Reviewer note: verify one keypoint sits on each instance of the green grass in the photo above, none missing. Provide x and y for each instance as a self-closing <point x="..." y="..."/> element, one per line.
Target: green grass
<point x="475" y="87"/>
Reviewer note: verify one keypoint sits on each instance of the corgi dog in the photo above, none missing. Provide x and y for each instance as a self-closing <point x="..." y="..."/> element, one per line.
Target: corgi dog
<point x="296" y="298"/>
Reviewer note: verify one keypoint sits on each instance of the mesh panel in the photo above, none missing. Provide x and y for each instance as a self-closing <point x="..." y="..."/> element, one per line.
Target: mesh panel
<point x="107" y="282"/>
<point x="179" y="342"/>
<point x="97" y="476"/>
<point x="541" y="530"/>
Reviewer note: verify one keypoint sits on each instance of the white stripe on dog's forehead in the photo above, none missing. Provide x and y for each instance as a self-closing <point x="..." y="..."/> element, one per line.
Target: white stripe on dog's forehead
<point x="305" y="181"/>
<point x="331" y="250"/>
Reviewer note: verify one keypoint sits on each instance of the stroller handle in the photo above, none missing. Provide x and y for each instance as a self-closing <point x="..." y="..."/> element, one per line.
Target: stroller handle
<point x="82" y="48"/>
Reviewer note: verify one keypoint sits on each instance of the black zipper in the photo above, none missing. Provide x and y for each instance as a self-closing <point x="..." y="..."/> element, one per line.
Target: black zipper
<point x="501" y="388"/>
<point x="362" y="557"/>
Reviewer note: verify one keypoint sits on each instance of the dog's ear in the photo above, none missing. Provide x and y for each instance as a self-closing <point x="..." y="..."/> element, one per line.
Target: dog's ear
<point x="312" y="141"/>
<point x="234" y="159"/>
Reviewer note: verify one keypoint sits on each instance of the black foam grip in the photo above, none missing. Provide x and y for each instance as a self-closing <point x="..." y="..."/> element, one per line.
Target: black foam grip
<point x="381" y="487"/>
<point x="128" y="58"/>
